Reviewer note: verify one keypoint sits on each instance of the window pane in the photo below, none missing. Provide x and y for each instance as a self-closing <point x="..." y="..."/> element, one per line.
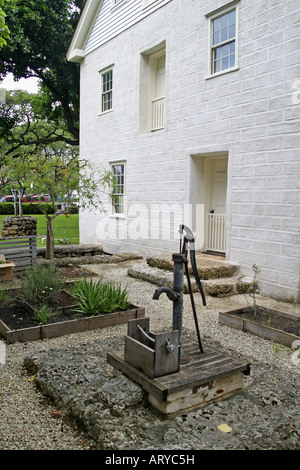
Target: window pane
<point x="224" y="21"/>
<point x="232" y="61"/>
<point x="225" y="50"/>
<point x="224" y="35"/>
<point x="218" y="66"/>
<point x="232" y="17"/>
<point x="217" y="24"/>
<point x="231" y="31"/>
<point x="216" y="39"/>
<point x="225" y="63"/>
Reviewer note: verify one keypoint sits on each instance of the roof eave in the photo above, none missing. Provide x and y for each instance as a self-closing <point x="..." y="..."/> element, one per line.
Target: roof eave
<point x="75" y="52"/>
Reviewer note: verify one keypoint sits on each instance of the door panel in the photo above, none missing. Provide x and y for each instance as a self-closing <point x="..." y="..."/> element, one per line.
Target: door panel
<point x="219" y="186"/>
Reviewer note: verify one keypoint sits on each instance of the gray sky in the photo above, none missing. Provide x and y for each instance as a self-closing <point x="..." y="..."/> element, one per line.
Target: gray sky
<point x="28" y="84"/>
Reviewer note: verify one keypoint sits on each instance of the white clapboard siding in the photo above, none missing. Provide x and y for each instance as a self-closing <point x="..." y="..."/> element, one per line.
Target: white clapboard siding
<point x="113" y="20"/>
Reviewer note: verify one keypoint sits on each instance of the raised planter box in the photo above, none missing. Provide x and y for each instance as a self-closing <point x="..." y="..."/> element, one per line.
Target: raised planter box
<point x="53" y="330"/>
<point x="285" y="332"/>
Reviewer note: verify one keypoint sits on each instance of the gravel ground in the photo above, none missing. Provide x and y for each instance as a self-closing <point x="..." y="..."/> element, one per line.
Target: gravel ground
<point x="30" y="421"/>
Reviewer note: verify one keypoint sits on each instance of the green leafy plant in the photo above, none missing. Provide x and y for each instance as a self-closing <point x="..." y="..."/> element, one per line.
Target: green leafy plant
<point x="96" y="297"/>
<point x="42" y="314"/>
<point x="40" y="283"/>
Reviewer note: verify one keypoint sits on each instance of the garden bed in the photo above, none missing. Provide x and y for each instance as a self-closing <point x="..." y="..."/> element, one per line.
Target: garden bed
<point x="267" y="323"/>
<point x="18" y="323"/>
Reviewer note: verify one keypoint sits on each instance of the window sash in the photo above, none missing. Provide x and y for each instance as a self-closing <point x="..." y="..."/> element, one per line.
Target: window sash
<point x="118" y="198"/>
<point x="223" y="41"/>
<point x="107" y="85"/>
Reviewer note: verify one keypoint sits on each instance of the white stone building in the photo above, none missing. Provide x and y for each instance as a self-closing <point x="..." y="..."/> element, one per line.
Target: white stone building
<point x="195" y="106"/>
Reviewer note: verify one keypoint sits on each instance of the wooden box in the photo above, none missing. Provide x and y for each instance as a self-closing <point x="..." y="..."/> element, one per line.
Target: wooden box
<point x="156" y="354"/>
<point x="6" y="269"/>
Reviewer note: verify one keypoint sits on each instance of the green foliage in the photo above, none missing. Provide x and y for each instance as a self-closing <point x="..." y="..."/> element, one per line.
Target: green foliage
<point x="95" y="298"/>
<point x="4" y="31"/>
<point x="7" y="208"/>
<point x="42" y="314"/>
<point x="40" y="32"/>
<point x="51" y="167"/>
<point x="40" y="283"/>
<point x="24" y="128"/>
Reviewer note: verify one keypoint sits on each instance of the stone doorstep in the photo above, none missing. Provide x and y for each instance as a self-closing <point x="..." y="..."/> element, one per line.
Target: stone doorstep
<point x="208" y="266"/>
<point x="215" y="287"/>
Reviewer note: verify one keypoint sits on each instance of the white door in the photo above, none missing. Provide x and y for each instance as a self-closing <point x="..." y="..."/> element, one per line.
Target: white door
<point x="216" y="215"/>
<point x="219" y="186"/>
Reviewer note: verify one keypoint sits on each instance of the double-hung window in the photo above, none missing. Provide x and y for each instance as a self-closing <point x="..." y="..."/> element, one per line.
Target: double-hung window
<point x="118" y="197"/>
<point x="106" y="90"/>
<point x="223" y="40"/>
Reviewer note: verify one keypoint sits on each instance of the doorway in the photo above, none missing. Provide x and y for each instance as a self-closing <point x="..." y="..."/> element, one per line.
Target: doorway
<point x="208" y="187"/>
<point x="215" y="198"/>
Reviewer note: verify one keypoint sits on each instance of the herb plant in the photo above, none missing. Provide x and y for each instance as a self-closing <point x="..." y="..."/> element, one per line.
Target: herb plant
<point x="42" y="314"/>
<point x="40" y="283"/>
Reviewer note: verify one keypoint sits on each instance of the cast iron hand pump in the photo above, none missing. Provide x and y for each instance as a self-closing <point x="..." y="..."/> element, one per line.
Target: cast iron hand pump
<point x="176" y="294"/>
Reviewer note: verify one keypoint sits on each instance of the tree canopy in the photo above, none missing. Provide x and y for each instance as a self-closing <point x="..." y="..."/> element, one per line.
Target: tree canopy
<point x="40" y="32"/>
<point x="4" y="31"/>
<point x="23" y="124"/>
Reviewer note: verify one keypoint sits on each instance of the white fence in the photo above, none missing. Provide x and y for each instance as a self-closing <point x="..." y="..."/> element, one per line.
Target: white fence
<point x="216" y="232"/>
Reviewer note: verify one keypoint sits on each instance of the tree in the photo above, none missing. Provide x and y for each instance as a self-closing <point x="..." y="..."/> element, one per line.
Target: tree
<point x="4" y="31"/>
<point x="58" y="172"/>
<point x="28" y="159"/>
<point x="40" y="35"/>
<point x="23" y="124"/>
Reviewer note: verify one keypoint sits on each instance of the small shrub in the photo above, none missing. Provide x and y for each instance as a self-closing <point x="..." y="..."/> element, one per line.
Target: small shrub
<point x="96" y="297"/>
<point x="40" y="283"/>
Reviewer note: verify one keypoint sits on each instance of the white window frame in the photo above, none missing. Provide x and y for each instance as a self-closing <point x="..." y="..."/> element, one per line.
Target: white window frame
<point x="118" y="193"/>
<point x="103" y="92"/>
<point x="210" y="18"/>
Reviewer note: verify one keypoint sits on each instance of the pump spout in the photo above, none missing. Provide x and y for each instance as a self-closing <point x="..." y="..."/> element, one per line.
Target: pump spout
<point x="172" y="295"/>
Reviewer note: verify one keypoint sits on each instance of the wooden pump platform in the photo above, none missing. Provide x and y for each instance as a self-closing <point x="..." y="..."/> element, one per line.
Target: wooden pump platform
<point x="209" y="376"/>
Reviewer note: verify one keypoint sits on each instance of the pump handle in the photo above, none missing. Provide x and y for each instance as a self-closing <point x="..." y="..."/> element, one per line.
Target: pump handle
<point x="189" y="237"/>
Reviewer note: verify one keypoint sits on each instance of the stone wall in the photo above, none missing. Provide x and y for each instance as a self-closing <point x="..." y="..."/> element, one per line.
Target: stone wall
<point x="19" y="226"/>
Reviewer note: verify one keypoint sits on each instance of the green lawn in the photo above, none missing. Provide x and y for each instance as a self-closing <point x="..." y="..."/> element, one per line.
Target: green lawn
<point x="63" y="227"/>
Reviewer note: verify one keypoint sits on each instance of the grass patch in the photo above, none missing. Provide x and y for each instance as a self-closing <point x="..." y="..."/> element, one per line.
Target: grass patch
<point x="63" y="228"/>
